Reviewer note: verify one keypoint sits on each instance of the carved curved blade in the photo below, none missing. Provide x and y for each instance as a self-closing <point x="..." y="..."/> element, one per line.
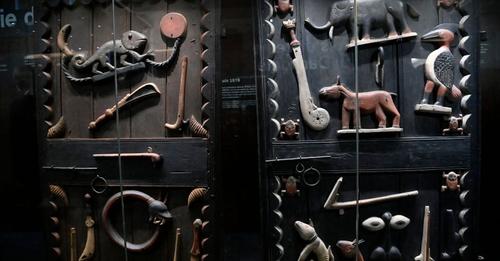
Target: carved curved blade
<point x="142" y="92"/>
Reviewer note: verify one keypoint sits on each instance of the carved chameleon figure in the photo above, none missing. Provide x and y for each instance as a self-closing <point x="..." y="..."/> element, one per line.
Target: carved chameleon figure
<point x="129" y="51"/>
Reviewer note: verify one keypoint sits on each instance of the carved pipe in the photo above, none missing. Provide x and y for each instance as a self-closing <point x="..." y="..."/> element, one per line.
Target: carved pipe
<point x="155" y="157"/>
<point x="72" y="244"/>
<point x="62" y="40"/>
<point x="58" y="130"/>
<point x="195" y="195"/>
<point x="89" y="249"/>
<point x="196" y="128"/>
<point x="425" y="252"/>
<point x="59" y="193"/>
<point x="182" y="95"/>
<point x="195" y="248"/>
<point x="177" y="250"/>
<point x="331" y="202"/>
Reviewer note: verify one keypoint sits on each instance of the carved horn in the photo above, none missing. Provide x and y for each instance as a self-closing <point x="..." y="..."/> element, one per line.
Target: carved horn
<point x="62" y="40"/>
<point x="196" y="194"/>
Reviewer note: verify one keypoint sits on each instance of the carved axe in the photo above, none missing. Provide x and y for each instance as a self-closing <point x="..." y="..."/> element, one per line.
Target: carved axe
<point x="144" y="91"/>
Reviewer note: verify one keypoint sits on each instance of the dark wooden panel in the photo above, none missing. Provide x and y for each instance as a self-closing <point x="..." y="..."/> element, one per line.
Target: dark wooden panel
<point x="184" y="162"/>
<point x="77" y="100"/>
<point x="104" y="93"/>
<point x="384" y="155"/>
<point x="54" y="21"/>
<point x="148" y="117"/>
<point x="411" y="79"/>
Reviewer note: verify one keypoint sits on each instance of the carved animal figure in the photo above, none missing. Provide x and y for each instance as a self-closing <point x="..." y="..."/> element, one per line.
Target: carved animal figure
<point x="371" y="14"/>
<point x="440" y="64"/>
<point x="369" y="102"/>
<point x="128" y="50"/>
<point x="315" y="244"/>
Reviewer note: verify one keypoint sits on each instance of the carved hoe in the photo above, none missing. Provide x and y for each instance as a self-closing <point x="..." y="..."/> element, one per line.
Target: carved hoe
<point x="182" y="94"/>
<point x="331" y="202"/>
<point x="144" y="91"/>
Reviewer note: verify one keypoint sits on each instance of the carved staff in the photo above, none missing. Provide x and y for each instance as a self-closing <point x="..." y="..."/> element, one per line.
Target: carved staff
<point x="177" y="250"/>
<point x="72" y="244"/>
<point x="315" y="117"/>
<point x="144" y="91"/>
<point x="425" y="251"/>
<point x="182" y="94"/>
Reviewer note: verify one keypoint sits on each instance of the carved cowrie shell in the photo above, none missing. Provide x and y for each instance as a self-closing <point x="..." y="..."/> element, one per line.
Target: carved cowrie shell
<point x="373" y="224"/>
<point x="399" y="222"/>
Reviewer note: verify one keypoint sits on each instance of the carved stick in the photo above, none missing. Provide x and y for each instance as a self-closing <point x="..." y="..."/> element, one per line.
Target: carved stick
<point x="177" y="251"/>
<point x="195" y="248"/>
<point x="182" y="95"/>
<point x="89" y="249"/>
<point x="425" y="252"/>
<point x="155" y="157"/>
<point x="72" y="244"/>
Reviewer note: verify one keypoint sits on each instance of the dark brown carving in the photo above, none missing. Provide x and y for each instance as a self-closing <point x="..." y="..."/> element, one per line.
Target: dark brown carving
<point x="289" y="129"/>
<point x="283" y="6"/>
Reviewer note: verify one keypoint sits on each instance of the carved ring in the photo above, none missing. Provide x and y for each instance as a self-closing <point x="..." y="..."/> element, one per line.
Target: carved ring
<point x="311" y="174"/>
<point x="93" y="184"/>
<point x="158" y="214"/>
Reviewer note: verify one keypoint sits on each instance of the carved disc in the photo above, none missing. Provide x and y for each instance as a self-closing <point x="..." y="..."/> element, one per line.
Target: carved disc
<point x="173" y="25"/>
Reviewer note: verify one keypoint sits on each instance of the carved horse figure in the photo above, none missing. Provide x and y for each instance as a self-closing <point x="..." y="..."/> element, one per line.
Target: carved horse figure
<point x="369" y="102"/>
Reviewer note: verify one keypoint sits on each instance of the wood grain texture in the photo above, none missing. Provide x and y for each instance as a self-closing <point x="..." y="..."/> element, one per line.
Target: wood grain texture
<point x="104" y="93"/>
<point x="76" y="100"/>
<point x="147" y="118"/>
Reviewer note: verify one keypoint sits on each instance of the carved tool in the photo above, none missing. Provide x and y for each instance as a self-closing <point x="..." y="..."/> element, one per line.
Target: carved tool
<point x="154" y="157"/>
<point x="379" y="68"/>
<point x="425" y="252"/>
<point x="451" y="237"/>
<point x="182" y="94"/>
<point x="298" y="158"/>
<point x="177" y="250"/>
<point x="158" y="211"/>
<point x="89" y="249"/>
<point x="331" y="202"/>
<point x="144" y="91"/>
<point x="315" y="117"/>
<point x="72" y="244"/>
<point x="195" y="248"/>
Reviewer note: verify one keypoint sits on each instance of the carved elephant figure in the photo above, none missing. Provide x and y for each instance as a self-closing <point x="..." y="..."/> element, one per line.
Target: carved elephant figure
<point x="371" y="14"/>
